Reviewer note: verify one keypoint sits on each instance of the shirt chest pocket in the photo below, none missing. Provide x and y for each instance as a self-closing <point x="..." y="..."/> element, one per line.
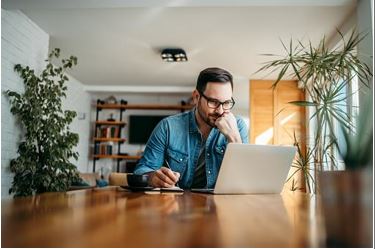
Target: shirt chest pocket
<point x="220" y="150"/>
<point x="177" y="160"/>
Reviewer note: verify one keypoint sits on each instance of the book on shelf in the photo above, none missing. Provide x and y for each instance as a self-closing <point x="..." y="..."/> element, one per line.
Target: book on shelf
<point x="103" y="149"/>
<point x="107" y="132"/>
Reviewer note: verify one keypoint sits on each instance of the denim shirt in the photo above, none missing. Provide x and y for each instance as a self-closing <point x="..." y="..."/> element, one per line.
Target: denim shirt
<point x="177" y="140"/>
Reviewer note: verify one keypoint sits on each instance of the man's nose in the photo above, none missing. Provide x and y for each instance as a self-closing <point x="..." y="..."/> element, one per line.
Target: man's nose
<point x="219" y="110"/>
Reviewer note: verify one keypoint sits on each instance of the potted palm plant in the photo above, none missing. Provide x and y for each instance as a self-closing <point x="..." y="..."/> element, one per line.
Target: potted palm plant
<point x="325" y="75"/>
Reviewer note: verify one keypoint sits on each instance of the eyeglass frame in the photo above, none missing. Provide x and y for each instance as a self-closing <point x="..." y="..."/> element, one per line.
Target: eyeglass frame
<point x="208" y="99"/>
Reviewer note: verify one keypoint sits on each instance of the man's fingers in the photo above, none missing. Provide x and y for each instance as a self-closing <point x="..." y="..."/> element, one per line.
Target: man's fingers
<point x="177" y="175"/>
<point x="157" y="180"/>
<point x="162" y="184"/>
<point x="170" y="174"/>
<point x="163" y="177"/>
<point x="225" y="114"/>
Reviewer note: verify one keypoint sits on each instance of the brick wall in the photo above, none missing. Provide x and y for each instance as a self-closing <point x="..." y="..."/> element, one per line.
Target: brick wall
<point x="22" y="41"/>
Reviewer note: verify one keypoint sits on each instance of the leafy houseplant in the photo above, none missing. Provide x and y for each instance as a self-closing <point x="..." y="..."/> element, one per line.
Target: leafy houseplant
<point x="324" y="75"/>
<point x="43" y="162"/>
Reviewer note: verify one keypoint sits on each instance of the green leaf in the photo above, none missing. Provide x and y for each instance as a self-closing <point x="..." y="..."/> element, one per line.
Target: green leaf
<point x="42" y="161"/>
<point x="325" y="74"/>
<point x="302" y="103"/>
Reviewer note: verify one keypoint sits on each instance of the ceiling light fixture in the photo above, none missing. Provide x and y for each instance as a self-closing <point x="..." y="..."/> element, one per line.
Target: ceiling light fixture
<point x="173" y="54"/>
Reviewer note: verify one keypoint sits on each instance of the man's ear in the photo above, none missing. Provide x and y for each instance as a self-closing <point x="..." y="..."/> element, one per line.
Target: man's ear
<point x="195" y="96"/>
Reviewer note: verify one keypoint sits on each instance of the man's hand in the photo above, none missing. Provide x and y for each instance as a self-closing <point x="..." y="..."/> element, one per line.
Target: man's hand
<point x="163" y="178"/>
<point x="227" y="124"/>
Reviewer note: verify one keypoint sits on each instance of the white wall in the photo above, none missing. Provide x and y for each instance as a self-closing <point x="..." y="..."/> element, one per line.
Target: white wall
<point x="22" y="41"/>
<point x="365" y="19"/>
<point x="241" y="94"/>
<point x="80" y="101"/>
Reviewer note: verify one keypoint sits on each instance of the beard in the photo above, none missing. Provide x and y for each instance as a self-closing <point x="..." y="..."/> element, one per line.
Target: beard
<point x="209" y="119"/>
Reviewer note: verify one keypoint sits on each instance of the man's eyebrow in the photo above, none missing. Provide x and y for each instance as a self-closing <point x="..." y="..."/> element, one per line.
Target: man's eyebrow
<point x="219" y="100"/>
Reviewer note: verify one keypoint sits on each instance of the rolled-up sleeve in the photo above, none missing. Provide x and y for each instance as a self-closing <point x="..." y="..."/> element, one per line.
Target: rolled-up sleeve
<point x="243" y="129"/>
<point x="153" y="156"/>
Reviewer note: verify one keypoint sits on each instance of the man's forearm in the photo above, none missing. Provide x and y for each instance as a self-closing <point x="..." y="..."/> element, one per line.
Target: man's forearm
<point x="234" y="137"/>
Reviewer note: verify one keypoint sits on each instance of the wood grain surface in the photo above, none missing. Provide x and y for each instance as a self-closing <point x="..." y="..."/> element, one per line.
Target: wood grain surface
<point x="116" y="218"/>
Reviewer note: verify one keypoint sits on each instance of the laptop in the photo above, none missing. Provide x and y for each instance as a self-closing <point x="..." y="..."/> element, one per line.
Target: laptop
<point x="253" y="169"/>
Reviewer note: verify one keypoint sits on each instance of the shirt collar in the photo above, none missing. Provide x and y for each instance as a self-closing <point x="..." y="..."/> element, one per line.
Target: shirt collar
<point x="193" y="127"/>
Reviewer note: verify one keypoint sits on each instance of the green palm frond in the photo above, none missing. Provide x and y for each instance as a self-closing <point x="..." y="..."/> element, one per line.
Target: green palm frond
<point x="356" y="150"/>
<point x="324" y="75"/>
<point x="302" y="164"/>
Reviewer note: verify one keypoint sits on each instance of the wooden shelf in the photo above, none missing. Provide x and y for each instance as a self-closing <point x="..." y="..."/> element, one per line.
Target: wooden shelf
<point x="109" y="139"/>
<point x="145" y="107"/>
<point x="126" y="157"/>
<point x="105" y="122"/>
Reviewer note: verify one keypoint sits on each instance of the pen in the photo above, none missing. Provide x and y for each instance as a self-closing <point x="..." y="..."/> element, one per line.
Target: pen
<point x="169" y="167"/>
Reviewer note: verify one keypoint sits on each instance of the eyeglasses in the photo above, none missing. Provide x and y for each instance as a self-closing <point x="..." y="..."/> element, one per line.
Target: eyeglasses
<point x="214" y="103"/>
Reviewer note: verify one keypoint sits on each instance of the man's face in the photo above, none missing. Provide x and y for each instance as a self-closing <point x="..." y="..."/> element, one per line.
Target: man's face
<point x="214" y="91"/>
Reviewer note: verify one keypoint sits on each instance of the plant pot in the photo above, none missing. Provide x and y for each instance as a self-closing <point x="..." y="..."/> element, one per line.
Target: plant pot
<point x="347" y="207"/>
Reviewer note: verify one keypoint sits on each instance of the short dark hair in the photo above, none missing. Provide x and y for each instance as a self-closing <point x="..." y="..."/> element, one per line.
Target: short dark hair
<point x="213" y="74"/>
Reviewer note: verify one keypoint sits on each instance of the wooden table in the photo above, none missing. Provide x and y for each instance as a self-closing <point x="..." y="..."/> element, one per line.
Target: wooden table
<point x="115" y="218"/>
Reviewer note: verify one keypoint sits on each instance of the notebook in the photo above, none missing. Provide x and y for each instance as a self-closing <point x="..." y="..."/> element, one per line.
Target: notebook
<point x="172" y="189"/>
<point x="253" y="169"/>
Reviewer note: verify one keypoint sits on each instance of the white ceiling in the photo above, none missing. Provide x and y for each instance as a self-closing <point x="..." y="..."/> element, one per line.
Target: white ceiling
<point x="118" y="42"/>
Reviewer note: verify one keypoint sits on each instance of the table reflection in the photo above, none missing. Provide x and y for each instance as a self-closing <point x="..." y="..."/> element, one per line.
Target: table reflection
<point x="116" y="218"/>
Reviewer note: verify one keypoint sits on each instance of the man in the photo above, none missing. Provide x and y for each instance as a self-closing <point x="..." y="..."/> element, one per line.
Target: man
<point x="188" y="148"/>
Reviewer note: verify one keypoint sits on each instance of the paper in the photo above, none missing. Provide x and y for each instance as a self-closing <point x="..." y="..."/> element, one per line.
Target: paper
<point x="172" y="189"/>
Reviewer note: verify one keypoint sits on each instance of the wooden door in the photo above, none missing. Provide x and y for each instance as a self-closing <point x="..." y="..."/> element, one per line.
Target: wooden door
<point x="274" y="121"/>
<point x="288" y="119"/>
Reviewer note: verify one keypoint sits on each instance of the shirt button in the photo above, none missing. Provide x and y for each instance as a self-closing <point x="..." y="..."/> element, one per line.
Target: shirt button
<point x="209" y="172"/>
<point x="180" y="159"/>
<point x="222" y="151"/>
<point x="208" y="154"/>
